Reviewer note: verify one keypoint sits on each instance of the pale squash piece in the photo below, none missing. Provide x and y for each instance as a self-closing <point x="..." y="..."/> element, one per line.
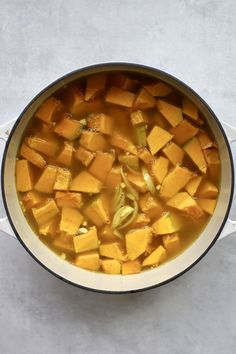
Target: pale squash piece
<point x="158" y="89"/>
<point x="45" y="212"/>
<point x="156" y="257"/>
<point x="65" y="157"/>
<point x="171" y="242"/>
<point x="120" y="97"/>
<point x="64" y="242"/>
<point x="24" y="176"/>
<point x="136" y="242"/>
<point x="99" y="206"/>
<point x="112" y="250"/>
<point x="101" y="123"/>
<point x="63" y="179"/>
<point x="183" y="202"/>
<point x="48" y="147"/>
<point x="131" y="161"/>
<point x="32" y="198"/>
<point x="137" y="181"/>
<point x="74" y="99"/>
<point x="194" y="151"/>
<point x="123" y="143"/>
<point x="102" y="165"/>
<point x="145" y="155"/>
<point x="167" y="224"/>
<point x="49" y="229"/>
<point x="93" y="141"/>
<point x="32" y="156"/>
<point x="85" y="182"/>
<point x="208" y="205"/>
<point x="190" y="109"/>
<point x="183" y="132"/>
<point x="48" y="110"/>
<point x="141" y="220"/>
<point x="124" y="82"/>
<point x="69" y="199"/>
<point x="207" y="190"/>
<point x="114" y="177"/>
<point x="158" y="138"/>
<point x="138" y="117"/>
<point x="91" y="214"/>
<point x="174" y="182"/>
<point x="95" y="84"/>
<point x="204" y="140"/>
<point x="47" y="179"/>
<point x="68" y="128"/>
<point x="144" y="100"/>
<point x="150" y="205"/>
<point x="86" y="242"/>
<point x="71" y="219"/>
<point x="89" y="260"/>
<point x="192" y="186"/>
<point x="159" y="168"/>
<point x="106" y="234"/>
<point x="213" y="162"/>
<point x="111" y="266"/>
<point x="174" y="153"/>
<point x="131" y="267"/>
<point x="171" y="113"/>
<point x="84" y="156"/>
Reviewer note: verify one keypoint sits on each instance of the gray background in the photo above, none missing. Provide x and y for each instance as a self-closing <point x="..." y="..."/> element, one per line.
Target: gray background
<point x="42" y="40"/>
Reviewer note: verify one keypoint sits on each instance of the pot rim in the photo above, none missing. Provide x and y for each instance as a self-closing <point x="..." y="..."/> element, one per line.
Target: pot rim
<point x="113" y="65"/>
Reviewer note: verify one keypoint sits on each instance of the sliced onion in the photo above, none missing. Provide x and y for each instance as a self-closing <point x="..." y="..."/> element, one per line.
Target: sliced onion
<point x="133" y="216"/>
<point x="121" y="215"/>
<point x="128" y="185"/>
<point x="148" y="179"/>
<point x="118" y="234"/>
<point x="132" y="170"/>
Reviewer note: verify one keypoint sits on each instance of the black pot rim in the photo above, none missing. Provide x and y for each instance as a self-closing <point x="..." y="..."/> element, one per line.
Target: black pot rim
<point x="113" y="65"/>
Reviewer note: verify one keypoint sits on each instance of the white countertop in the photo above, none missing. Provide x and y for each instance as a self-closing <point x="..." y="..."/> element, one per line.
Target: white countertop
<point x="193" y="40"/>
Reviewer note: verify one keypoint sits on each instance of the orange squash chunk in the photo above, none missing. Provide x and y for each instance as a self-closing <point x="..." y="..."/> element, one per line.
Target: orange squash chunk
<point x="64" y="242"/>
<point x="74" y="99"/>
<point x="158" y="138"/>
<point x="183" y="202"/>
<point x="171" y="113"/>
<point x="159" y="168"/>
<point x="131" y="267"/>
<point x="137" y="241"/>
<point x="168" y="223"/>
<point x="141" y="220"/>
<point x="47" y="179"/>
<point x="137" y="181"/>
<point x="194" y="151"/>
<point x="145" y="155"/>
<point x="32" y="199"/>
<point x="183" y="132"/>
<point x="63" y="179"/>
<point x="102" y="165"/>
<point x="120" y="141"/>
<point x="174" y="182"/>
<point x="114" y="177"/>
<point x="48" y="147"/>
<point x="207" y="190"/>
<point x="120" y="97"/>
<point x="84" y="156"/>
<point x="124" y="82"/>
<point x="86" y="242"/>
<point x="158" y="89"/>
<point x="101" y="123"/>
<point x="174" y="153"/>
<point x="49" y="229"/>
<point x="32" y="156"/>
<point x="65" y="157"/>
<point x="24" y="176"/>
<point x="213" y="162"/>
<point x="159" y="255"/>
<point x="112" y="250"/>
<point x="45" y="212"/>
<point x="192" y="186"/>
<point x="208" y="205"/>
<point x="71" y="219"/>
<point x="171" y="242"/>
<point x="95" y="84"/>
<point x="150" y="205"/>
<point x="144" y="100"/>
<point x="88" y="260"/>
<point x="69" y="199"/>
<point x="68" y="128"/>
<point x="138" y="117"/>
<point x="190" y="109"/>
<point x="204" y="140"/>
<point x="85" y="182"/>
<point x="111" y="266"/>
<point x="48" y="110"/>
<point x="93" y="141"/>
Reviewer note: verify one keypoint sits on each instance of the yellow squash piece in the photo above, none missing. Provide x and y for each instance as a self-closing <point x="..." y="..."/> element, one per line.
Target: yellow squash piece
<point x="208" y="205"/>
<point x="119" y="140"/>
<point x="101" y="123"/>
<point x="174" y="153"/>
<point x="183" y="202"/>
<point x="174" y="182"/>
<point x="158" y="89"/>
<point x="131" y="267"/>
<point x="159" y="168"/>
<point x="183" y="132"/>
<point x="111" y="266"/>
<point x="74" y="99"/>
<point x="106" y="234"/>
<point x="192" y="186"/>
<point x="24" y="176"/>
<point x="158" y="119"/>
<point x="141" y="220"/>
<point x="86" y="242"/>
<point x="64" y="242"/>
<point x="69" y="199"/>
<point x="144" y="100"/>
<point x="207" y="190"/>
<point x="167" y="224"/>
<point x="124" y="82"/>
<point x="99" y="206"/>
<point x="63" y="179"/>
<point x="92" y="140"/>
<point x="157" y="139"/>
<point x="194" y="151"/>
<point x="89" y="260"/>
<point x="48" y="110"/>
<point x="86" y="107"/>
<point x="45" y="212"/>
<point x="136" y="242"/>
<point x="145" y="155"/>
<point x="32" y="198"/>
<point x="190" y="109"/>
<point x="102" y="165"/>
<point x="43" y="145"/>
<point x="47" y="179"/>
<point x="120" y="97"/>
<point x="204" y="140"/>
<point x="138" y="117"/>
<point x="85" y="182"/>
<point x="68" y="128"/>
<point x="49" y="229"/>
<point x="95" y="84"/>
<point x="71" y="219"/>
<point x="213" y="162"/>
<point x="150" y="205"/>
<point x="171" y="113"/>
<point x="114" y="177"/>
<point x="137" y="181"/>
<point x="65" y="157"/>
<point x="32" y="156"/>
<point x="171" y="242"/>
<point x="84" y="156"/>
<point x="156" y="257"/>
<point x="112" y="250"/>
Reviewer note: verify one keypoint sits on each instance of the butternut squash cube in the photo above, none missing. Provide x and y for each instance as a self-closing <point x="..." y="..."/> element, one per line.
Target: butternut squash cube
<point x="137" y="181"/>
<point x="158" y="89"/>
<point x="145" y="155"/>
<point x="208" y="205"/>
<point x="156" y="257"/>
<point x="84" y="156"/>
<point x="65" y="157"/>
<point x="150" y="205"/>
<point x="74" y="99"/>
<point x="69" y="200"/>
<point x="89" y="260"/>
<point x="192" y="186"/>
<point x="158" y="138"/>
<point x="131" y="267"/>
<point x="93" y="141"/>
<point x="171" y="113"/>
<point x="171" y="242"/>
<point x="112" y="250"/>
<point x="204" y="140"/>
<point x="45" y="146"/>
<point x="63" y="179"/>
<point x="68" y="128"/>
<point x="144" y="100"/>
<point x="86" y="242"/>
<point x="159" y="168"/>
<point x="207" y="190"/>
<point x="64" y="242"/>
<point x="183" y="132"/>
<point x="47" y="180"/>
<point x="136" y="242"/>
<point x="32" y="198"/>
<point x="185" y="203"/>
<point x="190" y="109"/>
<point x="141" y="220"/>
<point x="45" y="212"/>
<point x="32" y="156"/>
<point x="124" y="82"/>
<point x="24" y="176"/>
<point x="138" y="117"/>
<point x="49" y="229"/>
<point x="111" y="266"/>
<point x="48" y="110"/>
<point x="106" y="234"/>
<point x="95" y="84"/>
<point x="120" y="97"/>
<point x="158" y="119"/>
<point x="71" y="219"/>
<point x="114" y="177"/>
<point x="174" y="153"/>
<point x="167" y="224"/>
<point x="102" y="165"/>
<point x="101" y="123"/>
<point x="99" y="206"/>
<point x="85" y="182"/>
<point x="194" y="151"/>
<point x="213" y="162"/>
<point x="174" y="182"/>
<point x="86" y="107"/>
<point x="120" y="141"/>
<point x="92" y="215"/>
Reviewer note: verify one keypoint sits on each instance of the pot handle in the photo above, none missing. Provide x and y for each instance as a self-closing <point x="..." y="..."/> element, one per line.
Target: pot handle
<point x="230" y="226"/>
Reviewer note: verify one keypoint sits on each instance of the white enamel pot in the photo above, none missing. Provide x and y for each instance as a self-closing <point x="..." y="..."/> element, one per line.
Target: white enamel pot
<point x="16" y="224"/>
